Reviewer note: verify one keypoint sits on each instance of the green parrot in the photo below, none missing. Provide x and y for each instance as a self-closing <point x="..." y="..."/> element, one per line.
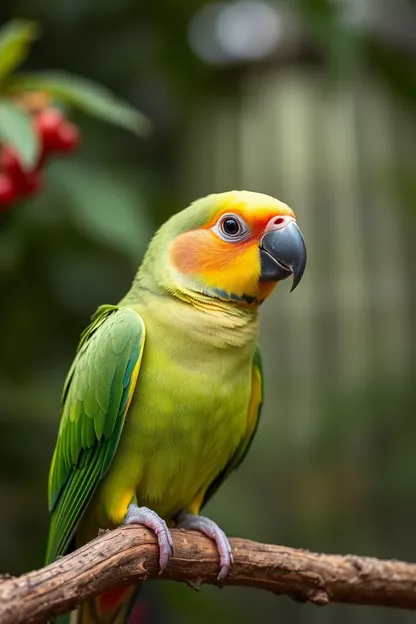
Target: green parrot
<point x="164" y="395"/>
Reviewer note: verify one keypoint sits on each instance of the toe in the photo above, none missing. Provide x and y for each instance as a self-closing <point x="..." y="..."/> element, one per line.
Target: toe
<point x="165" y="549"/>
<point x="224" y="551"/>
<point x="212" y="530"/>
<point x="164" y="539"/>
<point x="149" y="518"/>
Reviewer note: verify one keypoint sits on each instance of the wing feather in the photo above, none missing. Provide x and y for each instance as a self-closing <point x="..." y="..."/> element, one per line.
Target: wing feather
<point x="95" y="399"/>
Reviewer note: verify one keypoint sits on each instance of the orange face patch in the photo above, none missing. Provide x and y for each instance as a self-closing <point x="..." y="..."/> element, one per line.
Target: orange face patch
<point x="233" y="267"/>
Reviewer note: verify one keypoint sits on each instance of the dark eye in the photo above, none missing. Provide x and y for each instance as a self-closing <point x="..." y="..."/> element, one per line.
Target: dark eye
<point x="231" y="226"/>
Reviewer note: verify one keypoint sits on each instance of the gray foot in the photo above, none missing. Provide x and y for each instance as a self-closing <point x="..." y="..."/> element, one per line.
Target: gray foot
<point x="213" y="531"/>
<point x="149" y="518"/>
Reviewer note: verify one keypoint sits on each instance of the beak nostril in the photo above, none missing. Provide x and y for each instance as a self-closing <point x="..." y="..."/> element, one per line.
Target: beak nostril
<point x="278" y="222"/>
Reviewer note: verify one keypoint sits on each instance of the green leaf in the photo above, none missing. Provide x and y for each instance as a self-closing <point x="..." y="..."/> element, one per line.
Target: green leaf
<point x="85" y="95"/>
<point x="106" y="205"/>
<point x="16" y="129"/>
<point x="16" y="38"/>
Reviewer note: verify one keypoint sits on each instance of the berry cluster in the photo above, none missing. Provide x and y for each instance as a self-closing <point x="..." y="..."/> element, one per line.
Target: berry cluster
<point x="57" y="136"/>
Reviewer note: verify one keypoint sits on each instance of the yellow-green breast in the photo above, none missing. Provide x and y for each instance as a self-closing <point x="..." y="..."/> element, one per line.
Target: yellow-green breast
<point x="188" y="413"/>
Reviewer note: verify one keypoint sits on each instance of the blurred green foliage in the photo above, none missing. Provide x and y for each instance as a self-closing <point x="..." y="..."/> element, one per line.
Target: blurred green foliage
<point x="78" y="245"/>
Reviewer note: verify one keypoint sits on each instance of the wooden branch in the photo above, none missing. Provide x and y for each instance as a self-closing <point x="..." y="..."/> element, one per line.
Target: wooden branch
<point x="129" y="554"/>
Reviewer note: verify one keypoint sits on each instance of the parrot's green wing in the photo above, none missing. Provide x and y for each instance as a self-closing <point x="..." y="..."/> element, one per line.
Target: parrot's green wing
<point x="253" y="417"/>
<point x="96" y="396"/>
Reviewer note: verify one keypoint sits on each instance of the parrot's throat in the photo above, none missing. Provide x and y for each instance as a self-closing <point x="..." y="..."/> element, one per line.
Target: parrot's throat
<point x="219" y="299"/>
<point x="215" y="322"/>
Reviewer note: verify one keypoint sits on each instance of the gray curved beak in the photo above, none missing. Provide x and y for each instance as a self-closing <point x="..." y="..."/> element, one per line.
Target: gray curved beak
<point x="282" y="252"/>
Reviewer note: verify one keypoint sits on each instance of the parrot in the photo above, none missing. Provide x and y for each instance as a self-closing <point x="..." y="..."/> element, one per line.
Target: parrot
<point x="164" y="395"/>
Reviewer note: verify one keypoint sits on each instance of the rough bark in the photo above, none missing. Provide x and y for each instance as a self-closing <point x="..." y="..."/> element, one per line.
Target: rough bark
<point x="129" y="554"/>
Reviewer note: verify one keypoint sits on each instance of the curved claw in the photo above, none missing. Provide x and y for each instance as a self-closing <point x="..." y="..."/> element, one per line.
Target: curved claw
<point x="149" y="518"/>
<point x="209" y="528"/>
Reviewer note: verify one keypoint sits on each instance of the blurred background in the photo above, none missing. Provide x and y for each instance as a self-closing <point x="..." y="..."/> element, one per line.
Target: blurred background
<point x="311" y="101"/>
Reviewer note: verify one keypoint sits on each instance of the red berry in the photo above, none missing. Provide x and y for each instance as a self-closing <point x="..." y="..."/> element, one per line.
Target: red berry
<point x="47" y="123"/>
<point x="32" y="184"/>
<point x="11" y="165"/>
<point x="67" y="138"/>
<point x="8" y="191"/>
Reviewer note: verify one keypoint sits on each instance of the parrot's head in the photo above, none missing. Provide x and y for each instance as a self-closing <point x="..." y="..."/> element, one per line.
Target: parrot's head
<point x="233" y="246"/>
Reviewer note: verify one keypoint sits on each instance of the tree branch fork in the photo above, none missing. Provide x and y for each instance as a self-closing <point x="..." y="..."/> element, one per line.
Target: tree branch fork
<point x="129" y="554"/>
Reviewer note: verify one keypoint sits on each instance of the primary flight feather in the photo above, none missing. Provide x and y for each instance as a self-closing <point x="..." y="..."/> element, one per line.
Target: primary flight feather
<point x="164" y="395"/>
